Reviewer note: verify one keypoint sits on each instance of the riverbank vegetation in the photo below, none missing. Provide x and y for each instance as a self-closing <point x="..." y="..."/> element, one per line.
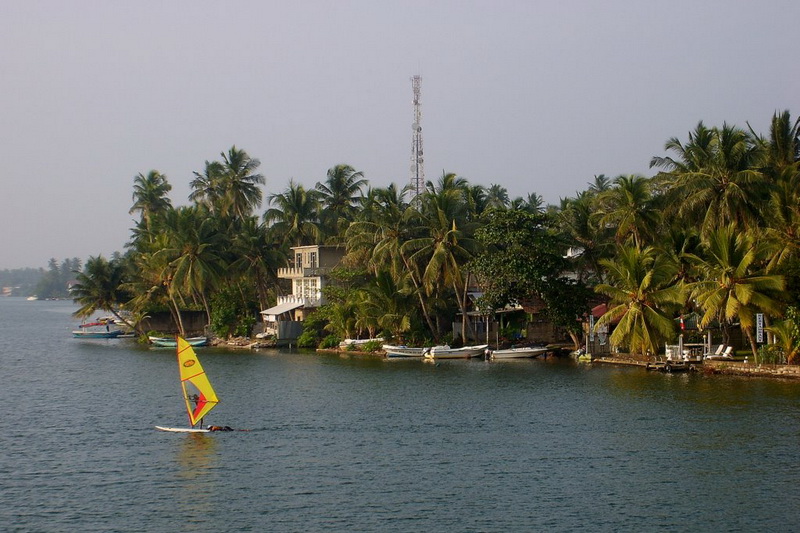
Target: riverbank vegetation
<point x="714" y="232"/>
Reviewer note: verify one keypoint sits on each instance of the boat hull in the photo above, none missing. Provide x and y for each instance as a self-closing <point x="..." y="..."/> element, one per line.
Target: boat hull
<point x="402" y="351"/>
<point x="443" y="352"/>
<point x="168" y="342"/>
<point x="97" y="334"/>
<point x="518" y="353"/>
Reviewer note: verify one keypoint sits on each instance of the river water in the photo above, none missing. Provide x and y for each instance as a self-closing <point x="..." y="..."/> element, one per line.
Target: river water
<point x="342" y="443"/>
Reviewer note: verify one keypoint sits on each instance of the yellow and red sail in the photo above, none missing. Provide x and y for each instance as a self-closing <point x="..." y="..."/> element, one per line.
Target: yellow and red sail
<point x="198" y="393"/>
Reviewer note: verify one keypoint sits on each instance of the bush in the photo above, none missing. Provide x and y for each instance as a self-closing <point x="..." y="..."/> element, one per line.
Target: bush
<point x="372" y="346"/>
<point x="771" y="354"/>
<point x="331" y="341"/>
<point x="308" y="339"/>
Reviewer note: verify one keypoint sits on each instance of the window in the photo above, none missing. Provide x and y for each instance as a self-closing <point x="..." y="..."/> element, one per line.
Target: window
<point x="312" y="260"/>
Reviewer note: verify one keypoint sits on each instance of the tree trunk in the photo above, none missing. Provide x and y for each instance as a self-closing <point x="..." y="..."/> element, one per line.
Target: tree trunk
<point x="576" y="341"/>
<point x="177" y="315"/>
<point x="753" y="346"/>
<point x="434" y="331"/>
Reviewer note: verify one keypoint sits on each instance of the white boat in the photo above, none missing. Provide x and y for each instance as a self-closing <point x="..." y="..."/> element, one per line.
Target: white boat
<point x="403" y="351"/>
<point x="446" y="352"/>
<point x="100" y="329"/>
<point x="513" y="353"/>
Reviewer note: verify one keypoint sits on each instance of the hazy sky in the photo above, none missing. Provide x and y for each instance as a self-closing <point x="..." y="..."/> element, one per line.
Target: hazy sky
<point x="538" y="96"/>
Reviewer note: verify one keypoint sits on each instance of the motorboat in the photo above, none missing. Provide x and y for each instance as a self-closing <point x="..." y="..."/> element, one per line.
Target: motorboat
<point x="446" y="352"/>
<point x="403" y="351"/>
<point x="100" y="329"/>
<point x="516" y="353"/>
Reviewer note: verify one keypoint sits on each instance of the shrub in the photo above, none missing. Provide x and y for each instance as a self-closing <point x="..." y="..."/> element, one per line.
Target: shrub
<point x="307" y="339"/>
<point x="372" y="346"/>
<point x="771" y="354"/>
<point x="331" y="341"/>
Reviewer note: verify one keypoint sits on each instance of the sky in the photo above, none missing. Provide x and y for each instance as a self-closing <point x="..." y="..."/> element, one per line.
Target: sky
<point x="536" y="96"/>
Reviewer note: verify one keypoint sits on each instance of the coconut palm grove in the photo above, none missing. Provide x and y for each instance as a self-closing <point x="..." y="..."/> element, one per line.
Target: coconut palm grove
<point x="713" y="234"/>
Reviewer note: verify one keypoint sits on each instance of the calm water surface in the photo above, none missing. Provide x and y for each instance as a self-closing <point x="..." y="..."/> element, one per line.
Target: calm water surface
<point x="365" y="444"/>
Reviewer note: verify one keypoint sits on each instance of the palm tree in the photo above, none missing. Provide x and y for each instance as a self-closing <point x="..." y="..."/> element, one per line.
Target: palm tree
<point x="534" y="203"/>
<point x="785" y="331"/>
<point x="258" y="257"/>
<point x="380" y="230"/>
<point x="446" y="245"/>
<point x="588" y="241"/>
<point x="387" y="222"/>
<point x="100" y="286"/>
<point x="628" y="208"/>
<point x="151" y="282"/>
<point x="601" y="184"/>
<point x="150" y="197"/>
<point x="643" y="293"/>
<point x="782" y="217"/>
<point x="732" y="285"/>
<point x="239" y="183"/>
<point x="782" y="149"/>
<point x="447" y="182"/>
<point x="206" y="189"/>
<point x="477" y="201"/>
<point x="386" y="304"/>
<point x="339" y="195"/>
<point x="342" y="319"/>
<point x="194" y="250"/>
<point x="229" y="188"/>
<point x="782" y="168"/>
<point x="497" y="196"/>
<point x="715" y="179"/>
<point x="295" y="216"/>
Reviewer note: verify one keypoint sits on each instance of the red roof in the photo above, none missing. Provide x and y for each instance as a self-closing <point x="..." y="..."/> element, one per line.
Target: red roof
<point x="599" y="310"/>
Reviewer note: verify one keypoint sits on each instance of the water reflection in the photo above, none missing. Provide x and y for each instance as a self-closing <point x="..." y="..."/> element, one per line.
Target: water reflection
<point x="197" y="460"/>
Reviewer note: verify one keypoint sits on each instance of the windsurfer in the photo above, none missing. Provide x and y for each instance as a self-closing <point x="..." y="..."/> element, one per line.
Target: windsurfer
<point x="220" y="428"/>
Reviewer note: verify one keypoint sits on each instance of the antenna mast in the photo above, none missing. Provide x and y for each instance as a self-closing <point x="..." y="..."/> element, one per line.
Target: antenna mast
<point x="417" y="169"/>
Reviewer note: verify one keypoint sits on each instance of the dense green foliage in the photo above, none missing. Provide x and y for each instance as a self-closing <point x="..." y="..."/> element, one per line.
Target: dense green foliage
<point x="716" y="232"/>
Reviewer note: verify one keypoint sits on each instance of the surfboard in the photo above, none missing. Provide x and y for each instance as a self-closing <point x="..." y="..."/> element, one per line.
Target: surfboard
<point x="184" y="430"/>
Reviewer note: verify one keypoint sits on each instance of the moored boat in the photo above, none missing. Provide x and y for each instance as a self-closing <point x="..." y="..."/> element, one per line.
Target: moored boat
<point x="170" y="342"/>
<point x="514" y="353"/>
<point x="403" y="351"/>
<point x="445" y="352"/>
<point x="101" y="329"/>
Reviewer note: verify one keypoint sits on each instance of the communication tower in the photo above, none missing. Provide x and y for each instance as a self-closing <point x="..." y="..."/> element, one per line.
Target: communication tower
<point x="417" y="169"/>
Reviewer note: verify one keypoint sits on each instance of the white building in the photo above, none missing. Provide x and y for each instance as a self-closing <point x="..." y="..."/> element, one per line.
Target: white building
<point x="308" y="270"/>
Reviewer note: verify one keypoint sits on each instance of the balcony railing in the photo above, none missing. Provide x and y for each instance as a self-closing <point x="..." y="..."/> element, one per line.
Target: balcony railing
<point x="299" y="272"/>
<point x="290" y="273"/>
<point x="304" y="301"/>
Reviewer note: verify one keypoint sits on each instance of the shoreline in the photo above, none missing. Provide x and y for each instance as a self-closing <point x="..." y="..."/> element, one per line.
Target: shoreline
<point x="727" y="368"/>
<point x="724" y="368"/>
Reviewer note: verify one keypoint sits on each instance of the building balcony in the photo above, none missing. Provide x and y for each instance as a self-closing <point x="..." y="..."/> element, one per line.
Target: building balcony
<point x="301" y="272"/>
<point x="290" y="273"/>
<point x="316" y="301"/>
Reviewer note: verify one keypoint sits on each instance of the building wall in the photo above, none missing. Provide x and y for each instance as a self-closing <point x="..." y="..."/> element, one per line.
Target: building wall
<point x="194" y="322"/>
